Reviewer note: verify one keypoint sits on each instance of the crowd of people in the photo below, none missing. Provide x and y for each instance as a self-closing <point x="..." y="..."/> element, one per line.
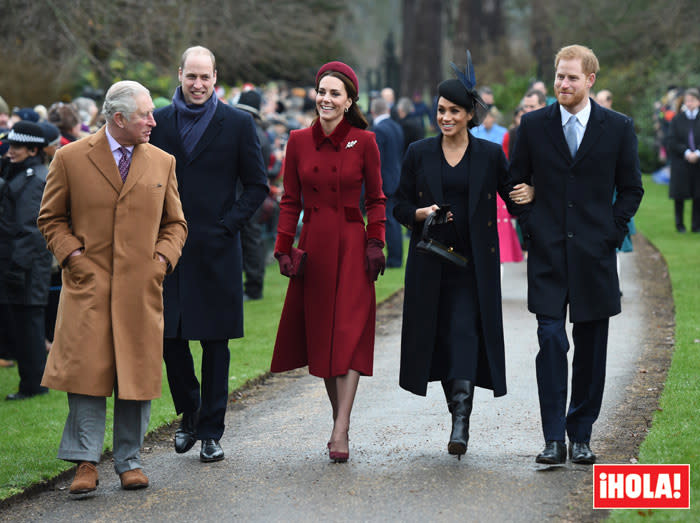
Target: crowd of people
<point x="153" y="216"/>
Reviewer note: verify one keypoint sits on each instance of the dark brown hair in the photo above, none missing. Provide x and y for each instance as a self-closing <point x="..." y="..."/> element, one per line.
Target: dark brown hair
<point x="354" y="114"/>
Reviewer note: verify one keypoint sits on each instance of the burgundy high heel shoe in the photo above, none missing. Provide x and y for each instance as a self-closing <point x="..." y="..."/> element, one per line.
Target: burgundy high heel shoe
<point x="338" y="457"/>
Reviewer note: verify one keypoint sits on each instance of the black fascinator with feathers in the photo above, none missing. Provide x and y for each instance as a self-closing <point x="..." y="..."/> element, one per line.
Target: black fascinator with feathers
<point x="462" y="91"/>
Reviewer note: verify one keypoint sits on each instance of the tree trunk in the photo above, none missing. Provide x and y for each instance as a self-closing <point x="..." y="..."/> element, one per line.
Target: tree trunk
<point x="421" y="56"/>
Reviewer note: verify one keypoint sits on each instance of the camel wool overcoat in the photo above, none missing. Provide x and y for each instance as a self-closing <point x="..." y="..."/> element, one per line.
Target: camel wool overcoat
<point x="109" y="325"/>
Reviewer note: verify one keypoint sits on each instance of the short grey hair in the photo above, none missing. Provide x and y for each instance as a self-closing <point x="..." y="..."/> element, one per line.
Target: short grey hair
<point x="405" y="105"/>
<point x="121" y="98"/>
<point x="379" y="106"/>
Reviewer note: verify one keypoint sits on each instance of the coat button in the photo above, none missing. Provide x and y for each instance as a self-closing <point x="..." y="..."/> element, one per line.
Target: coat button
<point x="489" y="224"/>
<point x="571" y="204"/>
<point x="493" y="249"/>
<point x="420" y="194"/>
<point x="569" y="234"/>
<point x="488" y="196"/>
<point x="334" y="169"/>
<point x="334" y="189"/>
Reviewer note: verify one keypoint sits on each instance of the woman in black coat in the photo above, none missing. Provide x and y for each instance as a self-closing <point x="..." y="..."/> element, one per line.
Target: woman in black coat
<point x="452" y="319"/>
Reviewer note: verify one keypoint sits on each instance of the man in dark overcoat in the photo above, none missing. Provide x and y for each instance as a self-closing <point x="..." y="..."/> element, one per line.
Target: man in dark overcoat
<point x="576" y="154"/>
<point x="684" y="151"/>
<point x="216" y="147"/>
<point x="390" y="143"/>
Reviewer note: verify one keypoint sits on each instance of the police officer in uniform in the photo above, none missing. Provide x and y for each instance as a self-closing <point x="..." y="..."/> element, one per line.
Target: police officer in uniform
<point x="25" y="263"/>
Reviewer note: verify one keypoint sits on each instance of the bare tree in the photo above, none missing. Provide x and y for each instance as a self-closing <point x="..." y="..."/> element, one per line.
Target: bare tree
<point x="253" y="41"/>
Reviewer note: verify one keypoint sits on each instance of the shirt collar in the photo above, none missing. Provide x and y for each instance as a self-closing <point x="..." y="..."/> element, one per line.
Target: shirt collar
<point x="582" y="116"/>
<point x="115" y="145"/>
<point x="691" y="114"/>
<point x="379" y="119"/>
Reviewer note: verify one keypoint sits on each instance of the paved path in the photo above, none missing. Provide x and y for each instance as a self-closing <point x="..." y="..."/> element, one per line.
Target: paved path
<point x="276" y="466"/>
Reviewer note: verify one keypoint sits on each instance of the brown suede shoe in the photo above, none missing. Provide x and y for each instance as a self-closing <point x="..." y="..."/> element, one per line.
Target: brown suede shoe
<point x="133" y="479"/>
<point x="85" y="479"/>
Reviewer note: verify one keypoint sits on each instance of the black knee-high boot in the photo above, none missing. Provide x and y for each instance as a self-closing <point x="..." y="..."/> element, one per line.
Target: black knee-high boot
<point x="459" y="395"/>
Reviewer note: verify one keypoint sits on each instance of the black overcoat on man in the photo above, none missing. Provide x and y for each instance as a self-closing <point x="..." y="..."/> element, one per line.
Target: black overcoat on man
<point x="203" y="296"/>
<point x="572" y="228"/>
<point x="421" y="186"/>
<point x="685" y="176"/>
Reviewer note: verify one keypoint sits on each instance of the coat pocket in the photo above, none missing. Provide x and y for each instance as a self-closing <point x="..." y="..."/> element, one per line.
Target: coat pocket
<point x="353" y="214"/>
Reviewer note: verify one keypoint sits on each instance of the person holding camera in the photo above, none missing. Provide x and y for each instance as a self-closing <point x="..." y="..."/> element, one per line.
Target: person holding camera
<point x="452" y="320"/>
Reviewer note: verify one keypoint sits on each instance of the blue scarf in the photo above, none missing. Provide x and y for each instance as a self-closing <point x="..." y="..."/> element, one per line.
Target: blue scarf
<point x="192" y="120"/>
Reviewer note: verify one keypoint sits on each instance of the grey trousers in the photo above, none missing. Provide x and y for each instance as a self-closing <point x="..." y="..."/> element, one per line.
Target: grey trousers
<point x="84" y="433"/>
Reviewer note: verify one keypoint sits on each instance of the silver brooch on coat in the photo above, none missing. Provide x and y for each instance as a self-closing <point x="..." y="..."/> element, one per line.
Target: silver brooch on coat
<point x="350" y="145"/>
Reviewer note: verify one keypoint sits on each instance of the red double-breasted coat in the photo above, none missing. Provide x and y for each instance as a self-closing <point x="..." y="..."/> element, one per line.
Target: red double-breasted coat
<point x="328" y="317"/>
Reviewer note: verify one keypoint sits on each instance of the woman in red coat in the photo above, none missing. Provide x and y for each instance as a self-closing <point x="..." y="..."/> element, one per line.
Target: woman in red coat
<point x="328" y="318"/>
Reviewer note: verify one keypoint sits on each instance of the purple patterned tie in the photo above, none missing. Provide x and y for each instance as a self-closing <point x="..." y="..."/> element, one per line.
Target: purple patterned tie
<point x="691" y="138"/>
<point x="124" y="163"/>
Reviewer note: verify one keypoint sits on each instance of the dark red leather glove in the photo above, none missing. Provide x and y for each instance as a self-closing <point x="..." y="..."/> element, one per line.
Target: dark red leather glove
<point x="285" y="264"/>
<point x="374" y="259"/>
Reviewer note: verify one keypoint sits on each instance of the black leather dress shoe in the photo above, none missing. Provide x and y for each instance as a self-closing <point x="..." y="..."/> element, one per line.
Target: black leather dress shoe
<point x="581" y="453"/>
<point x="554" y="453"/>
<point x="211" y="451"/>
<point x="186" y="434"/>
<point x="26" y="395"/>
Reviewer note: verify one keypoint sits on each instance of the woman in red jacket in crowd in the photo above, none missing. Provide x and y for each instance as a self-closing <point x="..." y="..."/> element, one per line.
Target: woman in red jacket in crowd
<point x="329" y="313"/>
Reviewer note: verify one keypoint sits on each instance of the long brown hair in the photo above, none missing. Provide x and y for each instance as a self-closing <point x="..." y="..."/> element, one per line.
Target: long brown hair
<point x="354" y="114"/>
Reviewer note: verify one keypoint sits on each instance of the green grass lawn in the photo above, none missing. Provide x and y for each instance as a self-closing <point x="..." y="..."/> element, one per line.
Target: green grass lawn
<point x="675" y="432"/>
<point x="31" y="429"/>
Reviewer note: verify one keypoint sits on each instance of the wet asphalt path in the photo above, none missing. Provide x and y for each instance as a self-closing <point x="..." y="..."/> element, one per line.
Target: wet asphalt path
<point x="276" y="466"/>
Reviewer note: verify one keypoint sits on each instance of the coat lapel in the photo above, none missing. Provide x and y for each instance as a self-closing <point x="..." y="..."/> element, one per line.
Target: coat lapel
<point x="101" y="156"/>
<point x="211" y="132"/>
<point x="168" y="120"/>
<point x="477" y="170"/>
<point x="139" y="164"/>
<point x="596" y="125"/>
<point x="433" y="171"/>
<point x="555" y="132"/>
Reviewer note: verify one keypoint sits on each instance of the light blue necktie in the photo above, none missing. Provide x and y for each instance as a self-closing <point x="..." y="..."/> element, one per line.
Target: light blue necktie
<point x="570" y="135"/>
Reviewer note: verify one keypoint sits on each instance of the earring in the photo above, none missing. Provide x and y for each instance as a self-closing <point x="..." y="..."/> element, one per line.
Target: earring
<point x="346" y="109"/>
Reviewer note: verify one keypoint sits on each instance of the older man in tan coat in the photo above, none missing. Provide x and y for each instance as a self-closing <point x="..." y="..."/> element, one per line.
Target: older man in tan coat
<point x="111" y="215"/>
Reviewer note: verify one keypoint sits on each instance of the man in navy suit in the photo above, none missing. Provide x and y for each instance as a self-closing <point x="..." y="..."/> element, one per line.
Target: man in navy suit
<point x="390" y="141"/>
<point x="576" y="154"/>
<point x="215" y="147"/>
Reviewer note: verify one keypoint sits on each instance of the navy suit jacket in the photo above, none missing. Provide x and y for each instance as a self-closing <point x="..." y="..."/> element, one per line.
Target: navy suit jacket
<point x="390" y="141"/>
<point x="573" y="227"/>
<point x="204" y="294"/>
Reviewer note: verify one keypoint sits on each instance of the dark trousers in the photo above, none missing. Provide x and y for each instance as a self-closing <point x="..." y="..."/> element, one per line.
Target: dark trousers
<point x="185" y="388"/>
<point x="254" y="255"/>
<point x="695" y="215"/>
<point x="587" y="380"/>
<point x="26" y="327"/>
<point x="393" y="236"/>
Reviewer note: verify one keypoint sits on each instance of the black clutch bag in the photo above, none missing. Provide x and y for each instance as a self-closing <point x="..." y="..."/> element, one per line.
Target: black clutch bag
<point x="433" y="247"/>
